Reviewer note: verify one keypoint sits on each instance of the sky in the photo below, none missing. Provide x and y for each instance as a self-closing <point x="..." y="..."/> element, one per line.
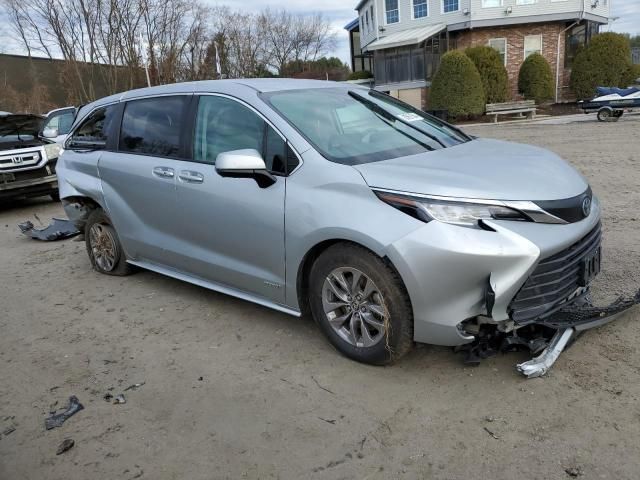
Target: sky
<point x="341" y="12"/>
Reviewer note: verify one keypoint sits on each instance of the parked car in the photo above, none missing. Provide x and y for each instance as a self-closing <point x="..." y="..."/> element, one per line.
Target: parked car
<point x="58" y="123"/>
<point x="27" y="161"/>
<point x="388" y="225"/>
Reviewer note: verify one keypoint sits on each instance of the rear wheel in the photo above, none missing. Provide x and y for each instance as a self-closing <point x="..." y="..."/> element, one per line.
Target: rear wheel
<point x="361" y="305"/>
<point x="103" y="246"/>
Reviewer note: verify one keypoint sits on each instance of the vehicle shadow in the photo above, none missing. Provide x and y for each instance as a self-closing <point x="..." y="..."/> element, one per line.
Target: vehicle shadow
<point x="17" y="203"/>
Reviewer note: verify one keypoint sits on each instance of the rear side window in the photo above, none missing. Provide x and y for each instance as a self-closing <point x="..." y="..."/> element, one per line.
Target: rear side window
<point x="153" y="126"/>
<point x="93" y="133"/>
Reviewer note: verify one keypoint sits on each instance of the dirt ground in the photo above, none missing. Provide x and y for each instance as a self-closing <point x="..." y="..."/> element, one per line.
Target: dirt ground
<point x="233" y="390"/>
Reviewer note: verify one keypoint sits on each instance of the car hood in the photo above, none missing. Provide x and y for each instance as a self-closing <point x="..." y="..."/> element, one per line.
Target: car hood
<point x="481" y="168"/>
<point x="24" y="124"/>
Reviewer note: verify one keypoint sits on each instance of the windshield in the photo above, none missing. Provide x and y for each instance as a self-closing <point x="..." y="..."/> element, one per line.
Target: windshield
<point x="362" y="126"/>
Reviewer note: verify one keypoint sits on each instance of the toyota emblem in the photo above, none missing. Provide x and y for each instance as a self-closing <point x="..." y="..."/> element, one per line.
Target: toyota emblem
<point x="586" y="206"/>
<point x="16" y="160"/>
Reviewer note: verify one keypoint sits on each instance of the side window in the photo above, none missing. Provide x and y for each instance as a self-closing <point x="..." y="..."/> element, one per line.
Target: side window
<point x="60" y="121"/>
<point x="153" y="126"/>
<point x="275" y="156"/>
<point x="223" y="125"/>
<point x="93" y="133"/>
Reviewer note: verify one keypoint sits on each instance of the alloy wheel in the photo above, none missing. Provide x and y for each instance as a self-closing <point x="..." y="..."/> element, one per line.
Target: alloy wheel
<point x="103" y="246"/>
<point x="354" y="307"/>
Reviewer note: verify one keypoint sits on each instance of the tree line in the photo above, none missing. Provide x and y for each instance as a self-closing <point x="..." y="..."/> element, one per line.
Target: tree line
<point x="111" y="41"/>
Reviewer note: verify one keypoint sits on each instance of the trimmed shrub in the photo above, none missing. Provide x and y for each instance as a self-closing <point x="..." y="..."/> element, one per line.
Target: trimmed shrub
<point x="457" y="86"/>
<point x="535" y="80"/>
<point x="605" y="62"/>
<point x="495" y="81"/>
<point x="361" y="75"/>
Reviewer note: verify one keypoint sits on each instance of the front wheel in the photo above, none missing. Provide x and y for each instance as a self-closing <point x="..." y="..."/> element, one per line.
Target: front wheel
<point x="361" y="305"/>
<point x="103" y="246"/>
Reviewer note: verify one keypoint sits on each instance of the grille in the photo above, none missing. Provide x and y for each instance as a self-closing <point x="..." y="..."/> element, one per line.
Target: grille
<point x="553" y="281"/>
<point x="17" y="160"/>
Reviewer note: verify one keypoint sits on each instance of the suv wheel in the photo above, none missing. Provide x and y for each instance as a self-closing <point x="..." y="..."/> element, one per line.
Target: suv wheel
<point x="361" y="305"/>
<point x="103" y="246"/>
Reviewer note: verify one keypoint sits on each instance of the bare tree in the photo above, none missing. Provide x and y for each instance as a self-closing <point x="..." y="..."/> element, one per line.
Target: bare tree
<point x="103" y="42"/>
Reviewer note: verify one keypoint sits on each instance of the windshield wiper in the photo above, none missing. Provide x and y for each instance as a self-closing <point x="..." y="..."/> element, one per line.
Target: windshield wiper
<point x="374" y="107"/>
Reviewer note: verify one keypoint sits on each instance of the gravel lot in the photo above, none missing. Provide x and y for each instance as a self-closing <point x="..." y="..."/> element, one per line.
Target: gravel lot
<point x="233" y="390"/>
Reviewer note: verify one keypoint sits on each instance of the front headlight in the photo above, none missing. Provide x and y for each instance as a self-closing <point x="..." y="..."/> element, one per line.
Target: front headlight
<point x="464" y="213"/>
<point x="52" y="150"/>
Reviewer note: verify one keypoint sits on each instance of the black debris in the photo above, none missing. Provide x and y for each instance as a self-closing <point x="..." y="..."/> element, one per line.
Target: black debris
<point x="200" y="379"/>
<point x="8" y="430"/>
<point x="58" y="229"/>
<point x="107" y="397"/>
<point x="57" y="420"/>
<point x="66" y="445"/>
<point x="573" y="471"/>
<point x="493" y="435"/>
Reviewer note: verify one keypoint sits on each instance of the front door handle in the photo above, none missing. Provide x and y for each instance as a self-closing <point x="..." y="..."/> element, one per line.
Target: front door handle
<point x="163" y="172"/>
<point x="190" y="176"/>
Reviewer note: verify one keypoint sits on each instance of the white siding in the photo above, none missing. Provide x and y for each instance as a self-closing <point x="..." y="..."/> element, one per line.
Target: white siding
<point x="541" y="7"/>
<point x="477" y="13"/>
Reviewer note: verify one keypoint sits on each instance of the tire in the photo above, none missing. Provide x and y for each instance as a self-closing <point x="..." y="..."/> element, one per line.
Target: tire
<point x="604" y="115"/>
<point x="104" y="247"/>
<point x="55" y="196"/>
<point x="387" y="308"/>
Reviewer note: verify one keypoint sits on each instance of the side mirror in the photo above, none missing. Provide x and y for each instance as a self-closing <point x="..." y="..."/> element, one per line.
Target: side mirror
<point x="50" y="132"/>
<point x="244" y="164"/>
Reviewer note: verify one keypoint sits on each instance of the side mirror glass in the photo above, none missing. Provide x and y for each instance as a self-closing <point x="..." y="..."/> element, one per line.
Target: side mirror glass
<point x="244" y="164"/>
<point x="50" y="132"/>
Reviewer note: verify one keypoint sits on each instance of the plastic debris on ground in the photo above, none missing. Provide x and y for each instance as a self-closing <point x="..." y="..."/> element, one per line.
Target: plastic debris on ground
<point x="58" y="419"/>
<point x="59" y="229"/>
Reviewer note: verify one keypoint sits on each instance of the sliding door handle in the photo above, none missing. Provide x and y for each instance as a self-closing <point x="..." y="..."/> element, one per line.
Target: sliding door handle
<point x="163" y="172"/>
<point x="190" y="176"/>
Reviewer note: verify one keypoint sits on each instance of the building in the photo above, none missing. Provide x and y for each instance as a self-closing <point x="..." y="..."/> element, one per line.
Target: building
<point x="402" y="41"/>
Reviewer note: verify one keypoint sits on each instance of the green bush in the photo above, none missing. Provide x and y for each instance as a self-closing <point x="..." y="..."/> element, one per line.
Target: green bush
<point x="535" y="80"/>
<point x="605" y="62"/>
<point x="495" y="81"/>
<point x="361" y="75"/>
<point x="632" y="76"/>
<point x="457" y="86"/>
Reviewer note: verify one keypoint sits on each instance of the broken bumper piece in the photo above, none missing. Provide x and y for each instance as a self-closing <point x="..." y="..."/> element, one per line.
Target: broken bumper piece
<point x="58" y="230"/>
<point x="568" y="322"/>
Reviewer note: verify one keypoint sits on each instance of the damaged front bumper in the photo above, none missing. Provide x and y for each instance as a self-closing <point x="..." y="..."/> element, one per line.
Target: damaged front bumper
<point x="569" y="322"/>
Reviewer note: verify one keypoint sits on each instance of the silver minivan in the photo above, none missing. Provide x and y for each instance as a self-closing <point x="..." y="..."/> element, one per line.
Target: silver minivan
<point x="387" y="225"/>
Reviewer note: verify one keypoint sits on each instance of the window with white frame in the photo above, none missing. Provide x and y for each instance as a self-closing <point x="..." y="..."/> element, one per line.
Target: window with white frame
<point x="500" y="44"/>
<point x="420" y="9"/>
<point x="492" y="3"/>
<point x="532" y="44"/>
<point x="526" y="2"/>
<point x="373" y="19"/>
<point x="366" y="20"/>
<point x="450" y="6"/>
<point x="391" y="9"/>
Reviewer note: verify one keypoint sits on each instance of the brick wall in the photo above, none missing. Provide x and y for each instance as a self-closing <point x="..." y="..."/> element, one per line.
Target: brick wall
<point x="515" y="47"/>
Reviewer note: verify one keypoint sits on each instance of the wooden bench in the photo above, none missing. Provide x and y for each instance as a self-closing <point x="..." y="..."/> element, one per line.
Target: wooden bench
<point x="510" y="108"/>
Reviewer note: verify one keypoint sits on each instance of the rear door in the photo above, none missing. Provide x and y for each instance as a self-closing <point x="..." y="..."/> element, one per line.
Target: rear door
<point x="233" y="230"/>
<point x="139" y="178"/>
